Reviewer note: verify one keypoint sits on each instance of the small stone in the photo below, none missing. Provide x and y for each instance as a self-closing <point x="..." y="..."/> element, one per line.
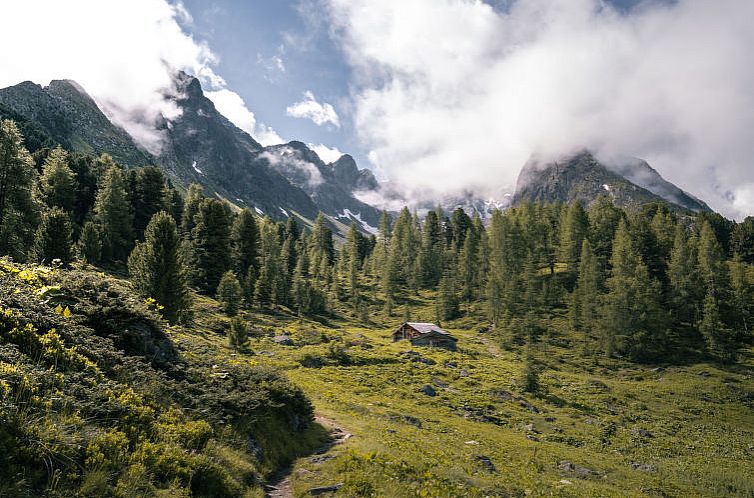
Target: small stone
<point x="463" y="373"/>
<point x="487" y="464"/>
<point x="643" y="467"/>
<point x="642" y="433"/>
<point x="439" y="383"/>
<point x="428" y="390"/>
<point x="325" y="489"/>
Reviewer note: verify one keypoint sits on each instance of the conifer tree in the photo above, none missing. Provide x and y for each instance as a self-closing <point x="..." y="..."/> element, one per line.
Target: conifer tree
<point x="743" y="240"/>
<point x="148" y="196"/>
<point x="352" y="259"/>
<point x="447" y="301"/>
<point x="712" y="271"/>
<point x="603" y="221"/>
<point x="244" y="239"/>
<point x="238" y="335"/>
<point x="267" y="287"/>
<point x="468" y="266"/>
<point x="683" y="278"/>
<point x="53" y="239"/>
<point x="57" y="184"/>
<point x="194" y="198"/>
<point x="742" y="297"/>
<point x="432" y="248"/>
<point x="157" y="270"/>
<point x="89" y="246"/>
<point x="631" y="320"/>
<point x="18" y="211"/>
<point x="211" y="244"/>
<point x="573" y="229"/>
<point x="584" y="310"/>
<point x="112" y="212"/>
<point x="719" y="338"/>
<point x="229" y="293"/>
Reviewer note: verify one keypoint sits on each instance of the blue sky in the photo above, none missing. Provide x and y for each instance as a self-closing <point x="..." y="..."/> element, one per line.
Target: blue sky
<point x="272" y="51"/>
<point x="440" y="97"/>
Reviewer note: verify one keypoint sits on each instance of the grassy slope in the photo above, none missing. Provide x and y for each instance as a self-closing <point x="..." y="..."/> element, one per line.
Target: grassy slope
<point x="699" y="418"/>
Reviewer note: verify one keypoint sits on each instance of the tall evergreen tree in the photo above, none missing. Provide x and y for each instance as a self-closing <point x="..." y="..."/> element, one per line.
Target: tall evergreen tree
<point x="112" y="212"/>
<point x="683" y="278"/>
<point x="743" y="240"/>
<point x="584" y="311"/>
<point x="194" y="198"/>
<point x="603" y="221"/>
<point x="148" y="190"/>
<point x="229" y="293"/>
<point x="18" y="211"/>
<point x="632" y="323"/>
<point x="245" y="243"/>
<point x="54" y="236"/>
<point x="573" y="229"/>
<point x="447" y="301"/>
<point x="211" y="244"/>
<point x="268" y="285"/>
<point x="719" y="338"/>
<point x="157" y="270"/>
<point x="89" y="246"/>
<point x="57" y="184"/>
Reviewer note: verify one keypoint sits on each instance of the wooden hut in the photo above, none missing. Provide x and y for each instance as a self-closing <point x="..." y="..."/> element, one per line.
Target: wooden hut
<point x="425" y="334"/>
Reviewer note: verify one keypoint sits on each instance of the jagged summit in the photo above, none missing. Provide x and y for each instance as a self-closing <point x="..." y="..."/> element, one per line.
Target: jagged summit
<point x="582" y="178"/>
<point x="200" y="145"/>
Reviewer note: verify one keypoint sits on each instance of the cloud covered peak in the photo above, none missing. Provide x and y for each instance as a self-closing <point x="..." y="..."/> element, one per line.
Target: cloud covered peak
<point x="463" y="98"/>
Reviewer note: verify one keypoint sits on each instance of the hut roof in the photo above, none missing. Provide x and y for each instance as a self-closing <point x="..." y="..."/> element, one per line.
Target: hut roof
<point x="425" y="328"/>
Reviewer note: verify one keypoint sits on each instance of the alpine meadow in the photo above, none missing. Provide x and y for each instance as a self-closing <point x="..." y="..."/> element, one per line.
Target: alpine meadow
<point x="504" y="302"/>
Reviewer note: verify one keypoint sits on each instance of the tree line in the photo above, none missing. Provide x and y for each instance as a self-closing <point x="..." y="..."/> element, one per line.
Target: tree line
<point x="647" y="284"/>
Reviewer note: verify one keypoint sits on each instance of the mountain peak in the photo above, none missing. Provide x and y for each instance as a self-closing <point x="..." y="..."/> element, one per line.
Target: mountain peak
<point x="581" y="177"/>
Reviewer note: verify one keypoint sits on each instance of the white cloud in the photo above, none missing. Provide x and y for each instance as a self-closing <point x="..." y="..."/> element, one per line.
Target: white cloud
<point x="309" y="108"/>
<point x="286" y="161"/>
<point x="232" y="106"/>
<point x="327" y="154"/>
<point x="461" y="99"/>
<point x="123" y="54"/>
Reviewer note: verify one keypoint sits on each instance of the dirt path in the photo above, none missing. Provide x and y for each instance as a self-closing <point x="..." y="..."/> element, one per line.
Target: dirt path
<point x="280" y="486"/>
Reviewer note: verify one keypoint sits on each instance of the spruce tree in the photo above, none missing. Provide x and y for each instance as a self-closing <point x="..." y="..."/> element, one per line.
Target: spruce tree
<point x="743" y="240"/>
<point x="211" y="244"/>
<point x="432" y="248"/>
<point x="157" y="270"/>
<point x="18" y="211"/>
<point x="53" y="240"/>
<point x="112" y="212"/>
<point x="229" y="293"/>
<point x="57" y="184"/>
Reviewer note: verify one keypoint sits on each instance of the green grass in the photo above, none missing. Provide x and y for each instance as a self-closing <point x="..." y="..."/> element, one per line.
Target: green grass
<point x="689" y="428"/>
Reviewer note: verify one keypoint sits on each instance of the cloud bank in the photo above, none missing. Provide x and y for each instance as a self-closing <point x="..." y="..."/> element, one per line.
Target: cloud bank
<point x="123" y="53"/>
<point x="309" y="108"/>
<point x="462" y="99"/>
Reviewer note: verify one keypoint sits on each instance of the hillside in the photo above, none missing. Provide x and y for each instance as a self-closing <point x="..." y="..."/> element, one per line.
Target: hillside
<point x="99" y="397"/>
